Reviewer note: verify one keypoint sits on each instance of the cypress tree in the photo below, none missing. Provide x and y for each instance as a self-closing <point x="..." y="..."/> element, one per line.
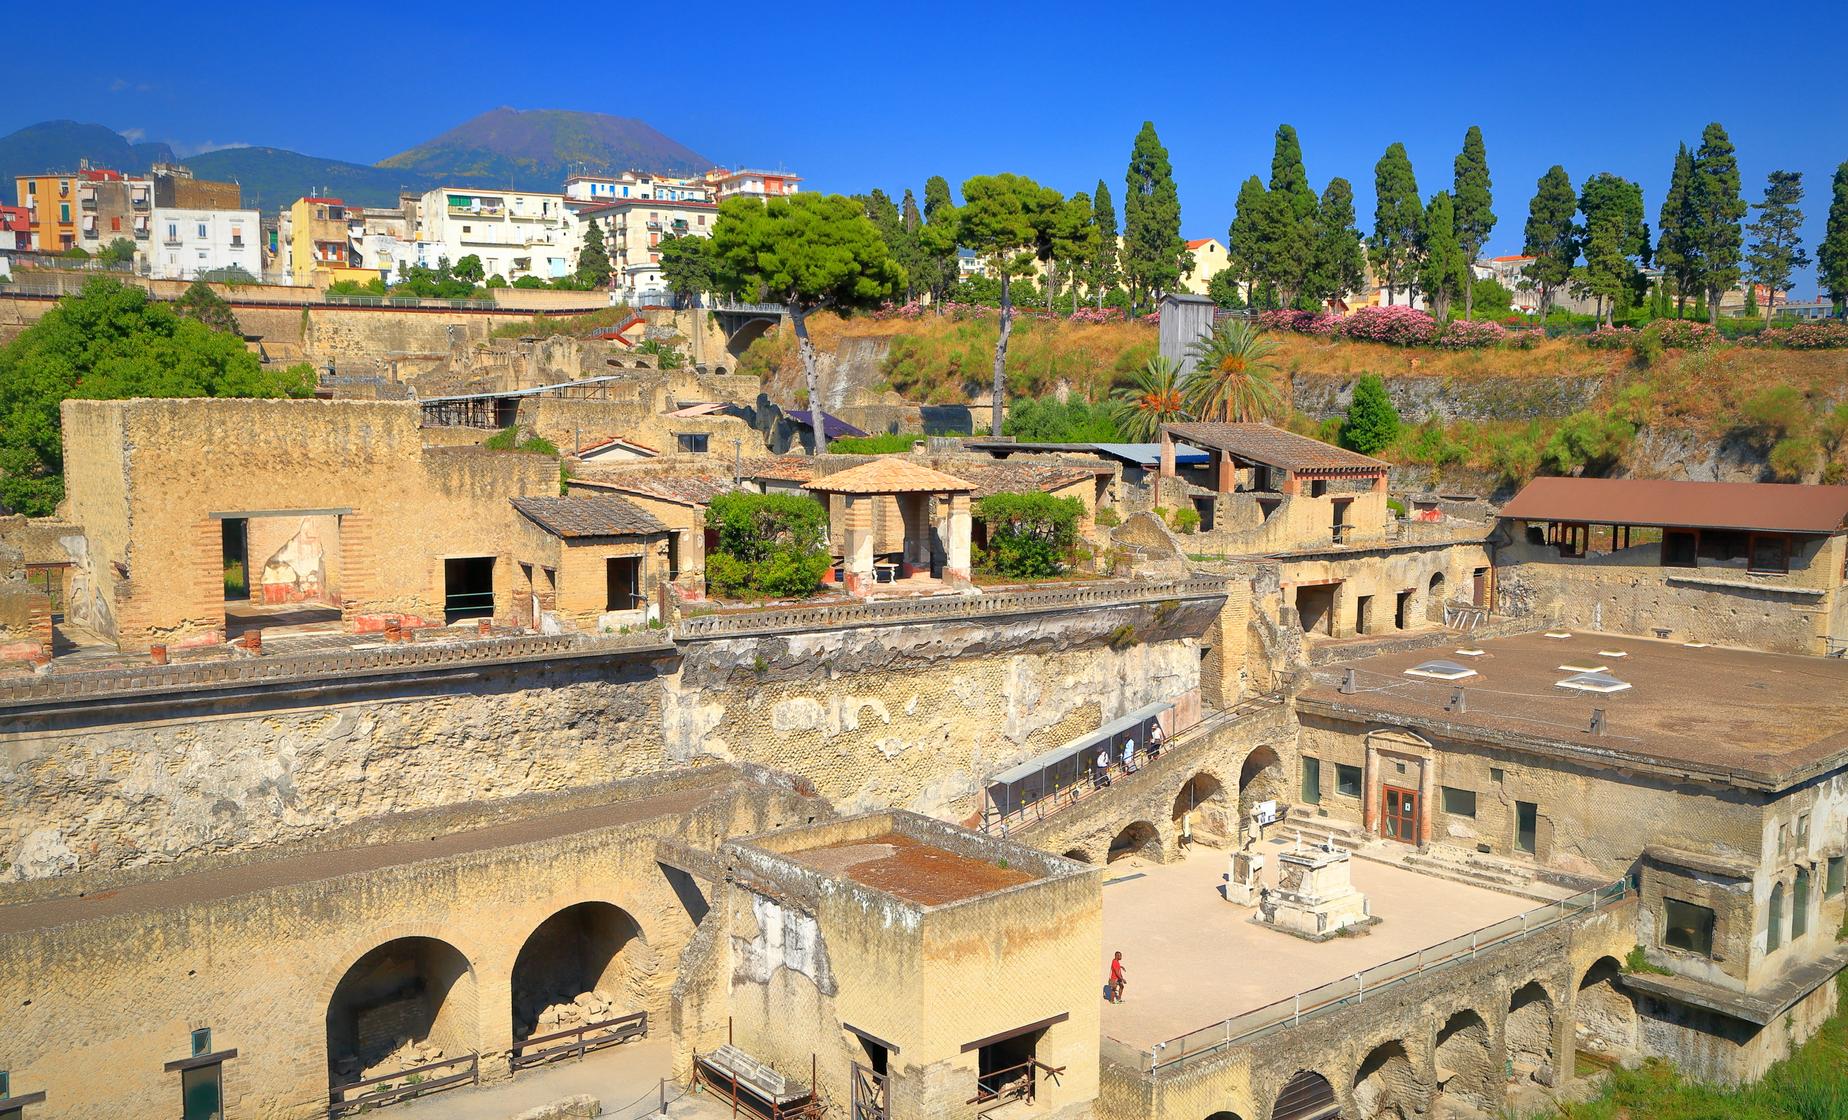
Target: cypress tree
<point x="1777" y="247"/>
<point x="1832" y="254"/>
<point x="1549" y="237"/>
<point x="1372" y="422"/>
<point x="1152" y="245"/>
<point x="1613" y="233"/>
<point x="937" y="239"/>
<point x="1103" y="273"/>
<point x="1714" y="209"/>
<point x="593" y="263"/>
<point x="1290" y="219"/>
<point x="1441" y="263"/>
<point x="1242" y="241"/>
<point x="1678" y="259"/>
<point x="917" y="268"/>
<point x="1473" y="206"/>
<point x="1340" y="261"/>
<point x="1396" y="218"/>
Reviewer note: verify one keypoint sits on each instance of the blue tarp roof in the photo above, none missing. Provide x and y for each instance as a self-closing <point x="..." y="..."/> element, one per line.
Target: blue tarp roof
<point x="836" y="427"/>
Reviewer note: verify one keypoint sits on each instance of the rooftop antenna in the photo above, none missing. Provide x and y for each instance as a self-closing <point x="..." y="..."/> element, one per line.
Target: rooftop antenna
<point x="1457" y="703"/>
<point x="1597" y="721"/>
<point x="1347" y="683"/>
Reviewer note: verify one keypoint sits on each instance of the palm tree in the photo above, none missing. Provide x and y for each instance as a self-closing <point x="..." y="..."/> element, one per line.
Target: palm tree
<point x="1153" y="397"/>
<point x="1232" y="375"/>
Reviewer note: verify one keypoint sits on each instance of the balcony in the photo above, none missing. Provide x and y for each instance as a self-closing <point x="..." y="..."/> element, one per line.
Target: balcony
<point x="477" y="212"/>
<point x="139" y="202"/>
<point x="141" y="234"/>
<point x="87" y="201"/>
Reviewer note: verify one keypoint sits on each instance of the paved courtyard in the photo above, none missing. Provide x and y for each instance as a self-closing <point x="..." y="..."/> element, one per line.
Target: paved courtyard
<point x="1193" y="959"/>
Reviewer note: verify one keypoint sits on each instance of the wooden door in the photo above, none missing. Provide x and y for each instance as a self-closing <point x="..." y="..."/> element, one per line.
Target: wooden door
<point x="1399" y="820"/>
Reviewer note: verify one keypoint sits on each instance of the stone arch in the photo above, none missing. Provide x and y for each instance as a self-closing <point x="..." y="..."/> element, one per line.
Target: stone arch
<point x="1224" y="1114"/>
<point x="1260" y="778"/>
<point x="1386" y="1087"/>
<point x="403" y="1003"/>
<point x="1138" y="838"/>
<point x="1466" y="1072"/>
<point x="1204" y="796"/>
<point x="1307" y="1095"/>
<point x="748" y="332"/>
<point x="589" y="948"/>
<point x="1605" y="1021"/>
<point x="1434" y="598"/>
<point x="1528" y="1033"/>
<point x="1774" y="920"/>
<point x="1079" y="855"/>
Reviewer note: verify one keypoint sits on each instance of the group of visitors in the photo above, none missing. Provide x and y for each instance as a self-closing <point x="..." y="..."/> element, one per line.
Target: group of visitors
<point x="1100" y="775"/>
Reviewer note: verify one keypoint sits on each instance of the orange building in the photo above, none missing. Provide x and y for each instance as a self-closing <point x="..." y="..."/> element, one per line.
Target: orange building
<point x="51" y="203"/>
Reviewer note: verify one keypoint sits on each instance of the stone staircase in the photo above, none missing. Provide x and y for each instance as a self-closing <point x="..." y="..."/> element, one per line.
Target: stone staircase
<point x="1317" y="830"/>
<point x="1473" y="868"/>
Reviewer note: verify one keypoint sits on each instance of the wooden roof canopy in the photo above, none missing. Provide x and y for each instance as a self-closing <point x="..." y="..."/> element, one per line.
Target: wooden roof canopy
<point x="1750" y="506"/>
<point x="1273" y="447"/>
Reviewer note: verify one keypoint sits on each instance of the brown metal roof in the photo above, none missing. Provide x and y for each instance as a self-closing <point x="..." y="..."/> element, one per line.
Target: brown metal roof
<point x="1766" y="506"/>
<point x="1273" y="447"/>
<point x="890" y="475"/>
<point x="598" y="516"/>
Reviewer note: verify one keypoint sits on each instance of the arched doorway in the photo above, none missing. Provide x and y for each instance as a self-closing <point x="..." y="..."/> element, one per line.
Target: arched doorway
<point x="406" y="1003"/>
<point x="582" y="965"/>
<point x="1434" y="598"/>
<point x="1606" y="1015"/>
<point x="1386" y="1087"/>
<point x="1305" y="1096"/>
<point x="1079" y="855"/>
<point x="1203" y="803"/>
<point x="1530" y="1032"/>
<point x="1224" y="1116"/>
<point x="1464" y="1062"/>
<point x="1260" y="779"/>
<point x="1137" y="839"/>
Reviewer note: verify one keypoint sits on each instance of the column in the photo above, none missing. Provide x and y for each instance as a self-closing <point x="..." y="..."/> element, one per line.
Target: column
<point x="956" y="567"/>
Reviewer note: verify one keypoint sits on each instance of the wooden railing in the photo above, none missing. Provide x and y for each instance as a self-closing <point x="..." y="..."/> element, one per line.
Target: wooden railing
<point x="578" y="1041"/>
<point x="403" y="1085"/>
<point x="1000" y="1084"/>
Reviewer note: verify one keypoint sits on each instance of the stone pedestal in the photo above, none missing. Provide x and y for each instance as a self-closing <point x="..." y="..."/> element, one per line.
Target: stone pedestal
<point x="1242" y="884"/>
<point x="1314" y="897"/>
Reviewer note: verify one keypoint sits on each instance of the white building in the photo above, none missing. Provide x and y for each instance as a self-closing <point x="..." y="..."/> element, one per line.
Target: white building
<point x="186" y="243"/>
<point x="514" y="234"/>
<point x="636" y="184"/>
<point x="751" y="183"/>
<point x="632" y="235"/>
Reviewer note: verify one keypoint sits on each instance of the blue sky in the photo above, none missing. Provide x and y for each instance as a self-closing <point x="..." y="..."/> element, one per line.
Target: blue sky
<point x="861" y="96"/>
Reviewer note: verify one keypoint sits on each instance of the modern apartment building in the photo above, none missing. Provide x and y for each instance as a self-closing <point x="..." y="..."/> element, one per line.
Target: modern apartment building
<point x="633" y="232"/>
<point x="188" y="243"/>
<point x="51" y="205"/>
<point x="751" y="183"/>
<point x="514" y="234"/>
<point x="16" y="235"/>
<point x="320" y="249"/>
<point x="636" y="184"/>
<point x="175" y="188"/>
<point x="111" y="207"/>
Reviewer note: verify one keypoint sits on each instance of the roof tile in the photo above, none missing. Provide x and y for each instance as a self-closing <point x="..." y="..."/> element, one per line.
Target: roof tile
<point x="598" y="516"/>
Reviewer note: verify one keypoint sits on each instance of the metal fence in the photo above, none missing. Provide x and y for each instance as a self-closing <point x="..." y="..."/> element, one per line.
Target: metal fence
<point x="1377" y="980"/>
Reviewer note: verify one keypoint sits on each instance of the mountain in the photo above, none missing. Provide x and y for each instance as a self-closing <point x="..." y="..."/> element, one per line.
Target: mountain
<point x="59" y="145"/>
<point x="272" y="178"/>
<point x="535" y="149"/>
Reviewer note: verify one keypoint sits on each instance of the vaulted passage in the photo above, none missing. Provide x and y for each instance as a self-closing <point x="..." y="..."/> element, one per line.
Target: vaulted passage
<point x="1138" y="839"/>
<point x="1260" y="779"/>
<point x="406" y="1003"/>
<point x="1305" y="1096"/>
<point x="1605" y="1025"/>
<point x="1466" y="1073"/>
<point x="1530" y="1032"/>
<point x="1203" y="803"/>
<point x="1386" y="1087"/>
<point x="579" y="967"/>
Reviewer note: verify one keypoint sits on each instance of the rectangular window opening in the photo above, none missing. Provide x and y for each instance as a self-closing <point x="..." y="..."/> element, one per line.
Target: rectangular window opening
<point x="1312" y="781"/>
<point x="1526" y="826"/>
<point x="1687" y="927"/>
<point x="1460" y="802"/>
<point x="468" y="587"/>
<point x="1347" y="780"/>
<point x="1833" y="873"/>
<point x="623" y="581"/>
<point x="693" y="443"/>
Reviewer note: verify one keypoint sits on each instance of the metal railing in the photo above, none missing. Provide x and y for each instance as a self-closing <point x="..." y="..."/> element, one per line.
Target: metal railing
<point x="1374" y="981"/>
<point x="403" y="1085"/>
<point x="579" y="1040"/>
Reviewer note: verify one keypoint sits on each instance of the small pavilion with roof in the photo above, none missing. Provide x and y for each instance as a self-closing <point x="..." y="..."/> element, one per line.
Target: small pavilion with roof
<point x="892" y="520"/>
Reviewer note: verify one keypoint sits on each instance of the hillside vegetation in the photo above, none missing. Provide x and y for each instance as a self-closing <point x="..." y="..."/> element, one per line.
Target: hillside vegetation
<point x="1785" y="408"/>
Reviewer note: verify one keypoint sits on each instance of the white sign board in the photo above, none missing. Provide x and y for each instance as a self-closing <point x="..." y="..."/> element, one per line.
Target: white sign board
<point x="1265" y="812"/>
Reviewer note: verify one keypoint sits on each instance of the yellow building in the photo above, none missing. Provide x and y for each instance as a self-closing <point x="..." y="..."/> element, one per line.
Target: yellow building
<point x="51" y="202"/>
<point x="320" y="244"/>
<point x="1209" y="257"/>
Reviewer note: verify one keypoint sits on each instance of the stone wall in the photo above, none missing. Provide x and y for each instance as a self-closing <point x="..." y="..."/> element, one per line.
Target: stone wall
<point x="260" y="961"/>
<point x="1454" y="398"/>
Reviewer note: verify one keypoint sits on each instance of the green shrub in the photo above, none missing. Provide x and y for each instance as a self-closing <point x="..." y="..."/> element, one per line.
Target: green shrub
<point x="1776" y="412"/>
<point x="1515" y="457"/>
<point x="1792" y="457"/>
<point x="1396" y="506"/>
<point x="771" y="545"/>
<point x="1047" y="420"/>
<point x="1183" y="519"/>
<point x="1588" y="441"/>
<point x="508" y="439"/>
<point x="1372" y="422"/>
<point x="885" y="443"/>
<point x="1107" y="518"/>
<point x="1432" y="444"/>
<point x="1029" y="535"/>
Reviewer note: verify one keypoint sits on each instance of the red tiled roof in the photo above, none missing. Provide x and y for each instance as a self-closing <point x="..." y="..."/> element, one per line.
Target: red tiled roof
<point x="1195" y="244"/>
<point x="890" y="475"/>
<point x="1766" y="506"/>
<point x="1273" y="447"/>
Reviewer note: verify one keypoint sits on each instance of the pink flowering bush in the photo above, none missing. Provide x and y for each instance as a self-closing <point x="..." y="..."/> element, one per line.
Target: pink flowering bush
<point x="1394" y="325"/>
<point x="1466" y="334"/>
<point x="1297" y="321"/>
<point x="1805" y="336"/>
<point x="1612" y="338"/>
<point x="1685" y="334"/>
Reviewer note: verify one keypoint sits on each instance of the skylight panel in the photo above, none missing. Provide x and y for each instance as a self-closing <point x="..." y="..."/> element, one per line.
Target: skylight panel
<point x="1440" y="671"/>
<point x="1600" y="682"/>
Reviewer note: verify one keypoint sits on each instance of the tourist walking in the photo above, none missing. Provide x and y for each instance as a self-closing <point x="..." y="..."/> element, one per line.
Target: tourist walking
<point x="1116" y="978"/>
<point x="1102" y="777"/>
<point x="1129" y="756"/>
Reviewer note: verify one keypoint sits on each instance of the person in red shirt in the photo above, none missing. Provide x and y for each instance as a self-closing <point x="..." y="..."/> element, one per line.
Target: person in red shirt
<point x="1116" y="978"/>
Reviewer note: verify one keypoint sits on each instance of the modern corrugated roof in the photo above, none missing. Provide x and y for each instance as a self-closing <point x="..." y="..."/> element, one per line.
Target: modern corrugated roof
<point x="598" y="516"/>
<point x="1765" y="506"/>
<point x="888" y="476"/>
<point x="1273" y="447"/>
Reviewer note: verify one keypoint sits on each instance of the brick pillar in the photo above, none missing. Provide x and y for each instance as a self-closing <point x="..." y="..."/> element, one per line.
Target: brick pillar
<point x="206" y="583"/>
<point x="1291" y="486"/>
<point x="358" y="586"/>
<point x="1167" y="455"/>
<point x="1379" y="483"/>
<point x="1227" y="475"/>
<point x="956" y="562"/>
